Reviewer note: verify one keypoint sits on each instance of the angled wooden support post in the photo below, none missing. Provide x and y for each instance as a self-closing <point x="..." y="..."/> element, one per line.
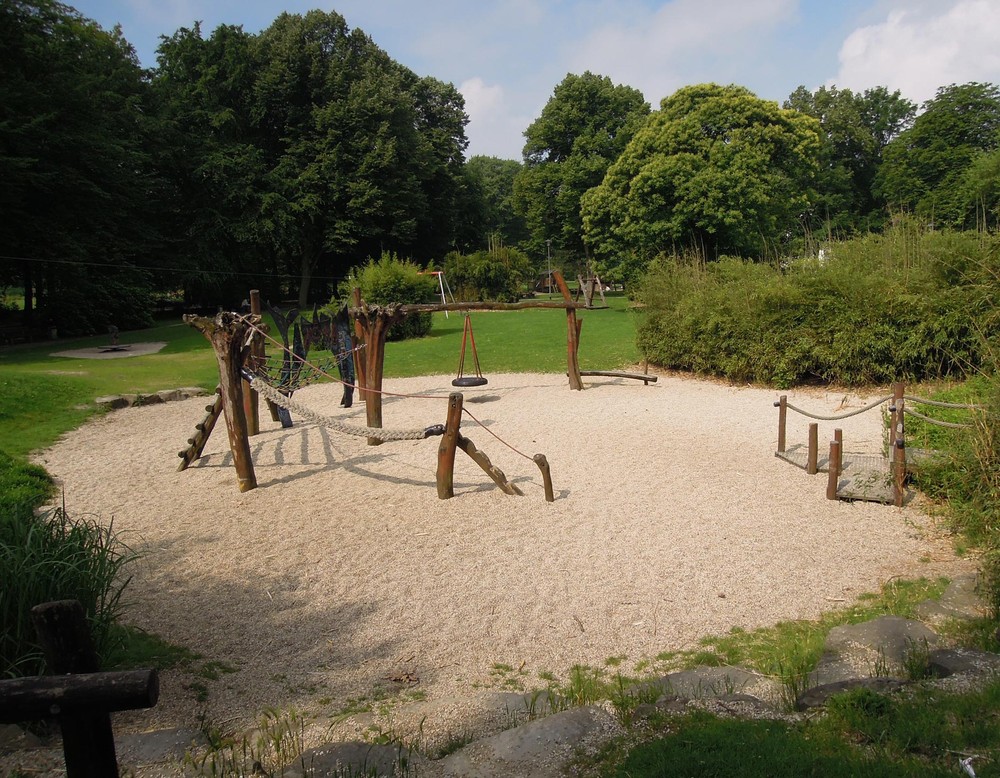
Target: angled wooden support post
<point x="782" y="406"/>
<point x="812" y="462"/>
<point x="446" y="449"/>
<point x="227" y="333"/>
<point x="360" y="376"/>
<point x="543" y="466"/>
<point x="573" y="326"/>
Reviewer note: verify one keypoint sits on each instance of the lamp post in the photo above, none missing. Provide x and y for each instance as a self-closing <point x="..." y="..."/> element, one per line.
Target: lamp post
<point x="548" y="259"/>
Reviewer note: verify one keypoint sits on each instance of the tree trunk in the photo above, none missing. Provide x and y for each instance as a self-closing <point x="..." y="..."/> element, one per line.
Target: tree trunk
<point x="305" y="279"/>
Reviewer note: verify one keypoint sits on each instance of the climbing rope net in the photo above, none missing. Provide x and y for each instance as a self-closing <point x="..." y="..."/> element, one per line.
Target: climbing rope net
<point x="273" y="394"/>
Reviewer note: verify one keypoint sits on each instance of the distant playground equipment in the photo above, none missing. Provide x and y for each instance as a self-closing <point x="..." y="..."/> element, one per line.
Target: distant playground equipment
<point x="875" y="478"/>
<point x="468" y="380"/>
<point x="238" y="344"/>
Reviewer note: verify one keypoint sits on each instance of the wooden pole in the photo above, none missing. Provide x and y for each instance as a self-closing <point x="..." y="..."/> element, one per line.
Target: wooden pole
<point x="24" y="699"/>
<point x="899" y="454"/>
<point x="782" y="406"/>
<point x="834" y="473"/>
<point x="897" y="398"/>
<point x="543" y="466"/>
<point x="251" y="405"/>
<point x="572" y="334"/>
<point x="812" y="462"/>
<point x="360" y="376"/>
<point x="203" y="431"/>
<point x="88" y="741"/>
<point x="227" y="334"/>
<point x="446" y="449"/>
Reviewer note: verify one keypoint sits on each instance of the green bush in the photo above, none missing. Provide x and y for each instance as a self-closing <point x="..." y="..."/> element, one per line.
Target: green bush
<point x="497" y="275"/>
<point x="884" y="308"/>
<point x="50" y="557"/>
<point x="392" y="280"/>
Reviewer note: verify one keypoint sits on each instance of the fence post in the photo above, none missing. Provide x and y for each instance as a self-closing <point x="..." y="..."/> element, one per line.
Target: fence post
<point x="88" y="741"/>
<point x="812" y="463"/>
<point x="836" y="465"/>
<point x="898" y="442"/>
<point x="446" y="450"/>
<point x="782" y="406"/>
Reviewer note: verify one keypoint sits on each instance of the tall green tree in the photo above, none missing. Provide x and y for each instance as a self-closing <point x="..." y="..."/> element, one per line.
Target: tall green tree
<point x="491" y="185"/>
<point x="716" y="169"/>
<point x="76" y="176"/>
<point x="583" y="128"/>
<point x="856" y="129"/>
<point x="926" y="168"/>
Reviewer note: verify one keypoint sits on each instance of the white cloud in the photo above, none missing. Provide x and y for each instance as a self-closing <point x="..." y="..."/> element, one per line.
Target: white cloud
<point x="682" y="42"/>
<point x="919" y="48"/>
<point x="493" y="128"/>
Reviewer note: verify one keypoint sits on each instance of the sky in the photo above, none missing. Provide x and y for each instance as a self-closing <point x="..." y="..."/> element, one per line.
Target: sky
<point x="507" y="56"/>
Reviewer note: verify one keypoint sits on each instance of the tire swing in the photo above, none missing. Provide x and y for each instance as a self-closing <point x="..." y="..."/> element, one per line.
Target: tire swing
<point x="468" y="380"/>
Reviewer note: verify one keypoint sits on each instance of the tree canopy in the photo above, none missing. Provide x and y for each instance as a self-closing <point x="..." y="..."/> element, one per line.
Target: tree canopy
<point x="716" y="168"/>
<point x="583" y="128"/>
<point x="936" y="167"/>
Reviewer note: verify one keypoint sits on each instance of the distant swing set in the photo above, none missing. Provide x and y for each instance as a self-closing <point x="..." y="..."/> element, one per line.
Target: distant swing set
<point x="238" y="343"/>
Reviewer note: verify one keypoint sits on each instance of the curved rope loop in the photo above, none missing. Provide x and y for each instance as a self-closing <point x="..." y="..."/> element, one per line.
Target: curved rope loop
<point x="847" y="415"/>
<point x="940" y="404"/>
<point x="935" y="422"/>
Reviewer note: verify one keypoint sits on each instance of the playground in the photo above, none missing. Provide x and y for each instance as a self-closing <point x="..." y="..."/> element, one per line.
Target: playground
<point x="343" y="573"/>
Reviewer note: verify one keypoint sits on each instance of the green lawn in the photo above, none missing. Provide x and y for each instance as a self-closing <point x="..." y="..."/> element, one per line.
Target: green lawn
<point x="42" y="396"/>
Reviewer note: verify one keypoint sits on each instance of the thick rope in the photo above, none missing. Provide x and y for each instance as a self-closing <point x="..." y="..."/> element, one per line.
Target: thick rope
<point x="935" y="422"/>
<point x="847" y="415"/>
<point x="272" y="394"/>
<point x="939" y="404"/>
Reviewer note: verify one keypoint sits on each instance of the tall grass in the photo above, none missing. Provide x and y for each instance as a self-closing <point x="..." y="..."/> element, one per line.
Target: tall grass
<point x="51" y="556"/>
<point x="903" y="305"/>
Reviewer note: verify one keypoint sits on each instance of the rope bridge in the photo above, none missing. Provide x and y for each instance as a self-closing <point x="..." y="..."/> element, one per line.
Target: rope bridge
<point x="870" y="477"/>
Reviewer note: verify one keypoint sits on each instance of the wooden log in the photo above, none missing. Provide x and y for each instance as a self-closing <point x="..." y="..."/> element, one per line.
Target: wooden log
<point x="360" y="376"/>
<point x="812" y="461"/>
<point x="88" y="741"/>
<point x="834" y="471"/>
<point x="572" y="333"/>
<point x="899" y="452"/>
<point x="898" y="390"/>
<point x="446" y="449"/>
<point x="488" y="467"/>
<point x="543" y="466"/>
<point x="23" y="699"/>
<point x="227" y="333"/>
<point x="782" y="406"/>
<point x="644" y="377"/>
<point x="376" y="322"/>
<point x="196" y="445"/>
<point x="251" y="403"/>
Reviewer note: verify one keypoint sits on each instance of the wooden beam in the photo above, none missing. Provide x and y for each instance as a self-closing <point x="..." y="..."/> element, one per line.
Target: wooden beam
<point x="23" y="699"/>
<point x="572" y="333"/>
<point x="488" y="467"/>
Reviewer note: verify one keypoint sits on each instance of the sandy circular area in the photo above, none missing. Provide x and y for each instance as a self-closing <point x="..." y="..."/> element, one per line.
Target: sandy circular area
<point x="112" y="352"/>
<point x="673" y="520"/>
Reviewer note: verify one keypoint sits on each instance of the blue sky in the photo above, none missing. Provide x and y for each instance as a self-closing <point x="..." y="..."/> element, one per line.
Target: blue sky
<point x="507" y="56"/>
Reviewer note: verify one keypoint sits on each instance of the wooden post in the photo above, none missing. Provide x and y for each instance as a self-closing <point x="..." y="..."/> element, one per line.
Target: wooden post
<point x="360" y="376"/>
<point x="834" y="472"/>
<point x="572" y="335"/>
<point x="446" y="449"/>
<point x="227" y="333"/>
<point x="812" y="462"/>
<point x="251" y="405"/>
<point x="897" y="398"/>
<point x="88" y="741"/>
<point x="898" y="443"/>
<point x="543" y="466"/>
<point x="782" y="406"/>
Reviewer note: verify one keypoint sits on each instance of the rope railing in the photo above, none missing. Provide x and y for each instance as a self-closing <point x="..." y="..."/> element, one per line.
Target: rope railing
<point x="940" y="404"/>
<point x="936" y="422"/>
<point x="382" y="435"/>
<point x="847" y="415"/>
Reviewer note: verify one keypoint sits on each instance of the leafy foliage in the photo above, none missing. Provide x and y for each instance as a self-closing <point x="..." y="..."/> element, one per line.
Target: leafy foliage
<point x="716" y="169"/>
<point x="583" y="128"/>
<point x="499" y="274"/>
<point x="929" y="168"/>
<point x="392" y="280"/>
<point x="882" y="309"/>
